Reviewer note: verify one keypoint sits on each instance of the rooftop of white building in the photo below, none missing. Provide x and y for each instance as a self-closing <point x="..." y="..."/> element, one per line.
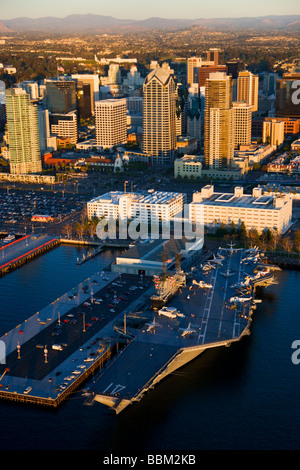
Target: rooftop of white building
<point x="256" y="200"/>
<point x="143" y="197"/>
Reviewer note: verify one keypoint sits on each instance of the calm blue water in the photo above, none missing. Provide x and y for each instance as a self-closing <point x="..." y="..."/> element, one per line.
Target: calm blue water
<point x="242" y="397"/>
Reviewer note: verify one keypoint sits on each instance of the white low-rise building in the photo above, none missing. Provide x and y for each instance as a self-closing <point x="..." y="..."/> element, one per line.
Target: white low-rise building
<point x="256" y="210"/>
<point x="192" y="166"/>
<point x="147" y="206"/>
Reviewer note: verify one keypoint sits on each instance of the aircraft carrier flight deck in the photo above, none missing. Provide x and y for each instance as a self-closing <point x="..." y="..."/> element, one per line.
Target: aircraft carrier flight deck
<point x="212" y="308"/>
<point x="128" y="333"/>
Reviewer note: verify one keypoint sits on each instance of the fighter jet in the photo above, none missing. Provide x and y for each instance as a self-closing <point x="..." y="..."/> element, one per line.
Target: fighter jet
<point x="152" y="325"/>
<point x="240" y="299"/>
<point x="252" y="250"/>
<point x="231" y="245"/>
<point x="202" y="284"/>
<point x="239" y="285"/>
<point x="187" y="331"/>
<point x="252" y="259"/>
<point x="218" y="261"/>
<point x="228" y="273"/>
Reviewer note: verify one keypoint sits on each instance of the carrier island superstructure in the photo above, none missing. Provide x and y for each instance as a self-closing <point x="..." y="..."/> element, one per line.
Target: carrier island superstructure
<point x="211" y="306"/>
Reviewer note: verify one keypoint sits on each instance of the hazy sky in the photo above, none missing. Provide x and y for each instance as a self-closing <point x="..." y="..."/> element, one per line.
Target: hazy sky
<point x="139" y="9"/>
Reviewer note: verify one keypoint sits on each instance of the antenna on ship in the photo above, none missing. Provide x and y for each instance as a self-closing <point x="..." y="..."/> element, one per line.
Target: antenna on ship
<point x="19" y="350"/>
<point x="46" y="354"/>
<point x="178" y="262"/>
<point x="163" y="257"/>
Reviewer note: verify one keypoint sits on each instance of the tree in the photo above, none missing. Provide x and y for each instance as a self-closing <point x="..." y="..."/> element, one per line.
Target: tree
<point x="67" y="230"/>
<point x="275" y="239"/>
<point x="253" y="236"/>
<point x="243" y="232"/>
<point x="79" y="229"/>
<point x="297" y="240"/>
<point x="221" y="230"/>
<point x="287" y="244"/>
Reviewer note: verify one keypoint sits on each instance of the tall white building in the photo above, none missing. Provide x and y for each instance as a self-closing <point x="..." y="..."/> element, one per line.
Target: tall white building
<point x="193" y="64"/>
<point x="242" y="123"/>
<point x="247" y="89"/>
<point x="32" y="88"/>
<point x="113" y="76"/>
<point x="218" y="123"/>
<point x="23" y="132"/>
<point x="273" y="133"/>
<point x="134" y="78"/>
<point x="159" y="116"/>
<point x="111" y="122"/>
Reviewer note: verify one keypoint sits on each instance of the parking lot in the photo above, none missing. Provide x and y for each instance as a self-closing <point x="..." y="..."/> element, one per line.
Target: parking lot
<point x="17" y="207"/>
<point x="77" y="326"/>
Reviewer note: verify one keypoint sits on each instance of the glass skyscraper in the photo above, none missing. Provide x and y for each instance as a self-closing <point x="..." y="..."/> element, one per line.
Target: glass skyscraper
<point x="23" y="133"/>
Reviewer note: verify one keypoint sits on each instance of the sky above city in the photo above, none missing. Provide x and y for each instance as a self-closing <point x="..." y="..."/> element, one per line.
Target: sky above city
<point x="137" y="9"/>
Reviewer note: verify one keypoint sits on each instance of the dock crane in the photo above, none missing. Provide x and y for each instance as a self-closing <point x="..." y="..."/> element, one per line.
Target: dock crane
<point x="6" y="370"/>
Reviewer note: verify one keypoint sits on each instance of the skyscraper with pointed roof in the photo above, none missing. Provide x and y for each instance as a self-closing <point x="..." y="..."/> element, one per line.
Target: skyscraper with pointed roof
<point x="159" y="116"/>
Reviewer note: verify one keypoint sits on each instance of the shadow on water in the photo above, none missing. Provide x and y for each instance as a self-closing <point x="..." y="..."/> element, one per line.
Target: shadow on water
<point x="241" y="397"/>
<point x="168" y="416"/>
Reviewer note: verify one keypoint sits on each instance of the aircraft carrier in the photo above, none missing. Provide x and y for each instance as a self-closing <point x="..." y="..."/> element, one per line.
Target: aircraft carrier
<point x="211" y="307"/>
<point x="129" y="332"/>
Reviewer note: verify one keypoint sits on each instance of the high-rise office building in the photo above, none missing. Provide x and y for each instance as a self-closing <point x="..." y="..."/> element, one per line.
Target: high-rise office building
<point x="218" y="125"/>
<point x="64" y="126"/>
<point x="273" y="132"/>
<point x="23" y="133"/>
<point x="242" y="123"/>
<point x="61" y="96"/>
<point x="32" y="88"/>
<point x="215" y="55"/>
<point x="193" y="63"/>
<point x="234" y="66"/>
<point x="269" y="83"/>
<point x="205" y="70"/>
<point x="247" y="89"/>
<point x="194" y="121"/>
<point x="111" y="122"/>
<point x="286" y="91"/>
<point x="44" y="127"/>
<point x="93" y="81"/>
<point x="159" y="116"/>
<point x="84" y="100"/>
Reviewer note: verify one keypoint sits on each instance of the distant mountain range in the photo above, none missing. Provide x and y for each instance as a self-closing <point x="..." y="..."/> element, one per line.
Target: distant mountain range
<point x="105" y="24"/>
